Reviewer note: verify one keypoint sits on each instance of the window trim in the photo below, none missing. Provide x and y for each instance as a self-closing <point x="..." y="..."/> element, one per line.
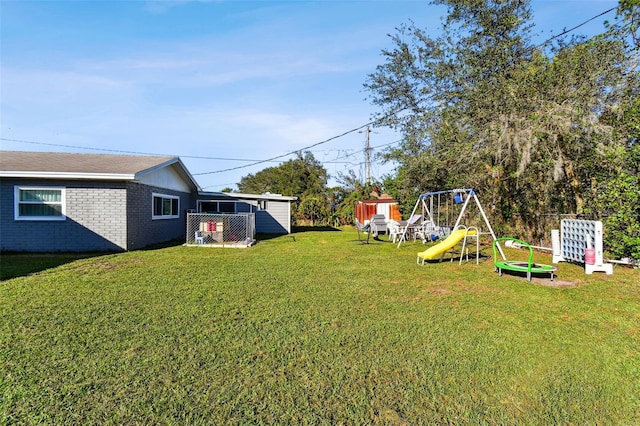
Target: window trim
<point x="17" y="189"/>
<point x="155" y="195"/>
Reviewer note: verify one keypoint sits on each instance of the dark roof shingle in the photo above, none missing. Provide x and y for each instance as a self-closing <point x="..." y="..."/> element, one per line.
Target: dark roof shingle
<point x="58" y="162"/>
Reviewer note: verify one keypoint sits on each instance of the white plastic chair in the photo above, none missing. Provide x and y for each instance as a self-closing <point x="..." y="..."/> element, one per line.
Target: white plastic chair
<point x="199" y="237"/>
<point x="394" y="230"/>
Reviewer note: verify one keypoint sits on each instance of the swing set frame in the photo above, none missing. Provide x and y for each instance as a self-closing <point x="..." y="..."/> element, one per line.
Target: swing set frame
<point x="432" y="211"/>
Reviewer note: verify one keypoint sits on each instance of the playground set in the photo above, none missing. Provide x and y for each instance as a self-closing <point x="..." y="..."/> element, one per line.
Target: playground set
<point x="437" y="210"/>
<point x="578" y="241"/>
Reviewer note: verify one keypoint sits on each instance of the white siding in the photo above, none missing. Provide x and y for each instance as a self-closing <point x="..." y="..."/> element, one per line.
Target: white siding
<point x="276" y="219"/>
<point x="166" y="178"/>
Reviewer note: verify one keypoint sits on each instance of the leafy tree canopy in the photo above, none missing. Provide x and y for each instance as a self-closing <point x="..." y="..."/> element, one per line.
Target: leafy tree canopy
<point x="531" y="127"/>
<point x="301" y="176"/>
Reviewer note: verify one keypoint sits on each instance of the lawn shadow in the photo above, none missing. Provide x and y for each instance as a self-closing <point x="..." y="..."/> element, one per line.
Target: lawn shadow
<point x="372" y="240"/>
<point x="13" y="264"/>
<point x="296" y="230"/>
<point x="19" y="264"/>
<point x="267" y="237"/>
<point x="302" y="229"/>
<point x="471" y="258"/>
<point x="160" y="246"/>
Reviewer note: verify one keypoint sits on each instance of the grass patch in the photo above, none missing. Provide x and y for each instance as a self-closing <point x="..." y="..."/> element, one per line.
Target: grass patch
<point x="316" y="329"/>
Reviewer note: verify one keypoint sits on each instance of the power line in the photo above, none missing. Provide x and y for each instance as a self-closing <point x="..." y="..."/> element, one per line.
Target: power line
<point x="272" y="159"/>
<point x="335" y="161"/>
<point x="565" y="32"/>
<point x="124" y="151"/>
<point x="289" y="153"/>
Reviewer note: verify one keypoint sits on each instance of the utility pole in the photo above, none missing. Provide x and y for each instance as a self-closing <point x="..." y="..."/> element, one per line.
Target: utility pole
<point x="367" y="156"/>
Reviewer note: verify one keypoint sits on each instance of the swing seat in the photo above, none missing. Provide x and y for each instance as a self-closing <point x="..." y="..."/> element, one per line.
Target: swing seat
<point x="527" y="266"/>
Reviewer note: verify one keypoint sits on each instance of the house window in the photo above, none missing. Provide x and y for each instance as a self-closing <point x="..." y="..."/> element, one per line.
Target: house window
<point x="217" y="207"/>
<point x="166" y="206"/>
<point x="226" y="207"/>
<point x="262" y="205"/>
<point x="39" y="203"/>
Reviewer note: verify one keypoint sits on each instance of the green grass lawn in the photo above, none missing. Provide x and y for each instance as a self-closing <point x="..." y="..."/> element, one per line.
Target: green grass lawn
<point x="316" y="329"/>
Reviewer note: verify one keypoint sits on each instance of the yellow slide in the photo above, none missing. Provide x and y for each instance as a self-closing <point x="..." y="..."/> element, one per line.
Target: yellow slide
<point x="436" y="251"/>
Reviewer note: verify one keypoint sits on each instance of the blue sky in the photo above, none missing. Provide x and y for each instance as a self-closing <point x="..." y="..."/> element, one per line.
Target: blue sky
<point x="234" y="81"/>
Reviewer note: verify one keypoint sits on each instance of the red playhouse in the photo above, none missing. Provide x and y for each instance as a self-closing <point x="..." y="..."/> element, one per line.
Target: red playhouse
<point x="383" y="206"/>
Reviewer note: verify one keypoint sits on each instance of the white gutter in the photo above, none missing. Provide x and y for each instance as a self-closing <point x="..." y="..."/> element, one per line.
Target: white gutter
<point x="67" y="175"/>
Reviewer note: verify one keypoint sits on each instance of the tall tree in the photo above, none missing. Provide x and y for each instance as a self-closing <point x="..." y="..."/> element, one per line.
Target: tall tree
<point x="443" y="93"/>
<point x="481" y="106"/>
<point x="301" y="176"/>
<point x="615" y="194"/>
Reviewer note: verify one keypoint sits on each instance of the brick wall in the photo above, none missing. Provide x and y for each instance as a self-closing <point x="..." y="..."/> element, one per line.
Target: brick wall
<point x="97" y="218"/>
<point x="143" y="229"/>
<point x="101" y="212"/>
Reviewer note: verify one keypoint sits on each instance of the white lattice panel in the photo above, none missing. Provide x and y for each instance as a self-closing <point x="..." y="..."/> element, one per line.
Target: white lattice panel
<point x="575" y="236"/>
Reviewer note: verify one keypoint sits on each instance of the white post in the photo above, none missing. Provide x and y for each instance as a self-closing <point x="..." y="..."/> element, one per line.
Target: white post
<point x="555" y="246"/>
<point x="404" y="232"/>
<point x="486" y="221"/>
<point x="427" y="209"/>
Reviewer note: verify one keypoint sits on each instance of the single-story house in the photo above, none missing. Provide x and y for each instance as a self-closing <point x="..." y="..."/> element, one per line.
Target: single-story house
<point x="91" y="202"/>
<point x="100" y="202"/>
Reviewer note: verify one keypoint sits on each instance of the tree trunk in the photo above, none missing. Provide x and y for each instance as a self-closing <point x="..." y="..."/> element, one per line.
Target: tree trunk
<point x="574" y="183"/>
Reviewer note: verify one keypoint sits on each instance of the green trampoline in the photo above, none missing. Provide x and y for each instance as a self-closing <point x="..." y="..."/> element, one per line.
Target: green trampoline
<point x="527" y="266"/>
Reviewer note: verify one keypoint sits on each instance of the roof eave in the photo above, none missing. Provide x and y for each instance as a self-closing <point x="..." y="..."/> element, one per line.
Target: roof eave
<point x="239" y="195"/>
<point x="66" y="175"/>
